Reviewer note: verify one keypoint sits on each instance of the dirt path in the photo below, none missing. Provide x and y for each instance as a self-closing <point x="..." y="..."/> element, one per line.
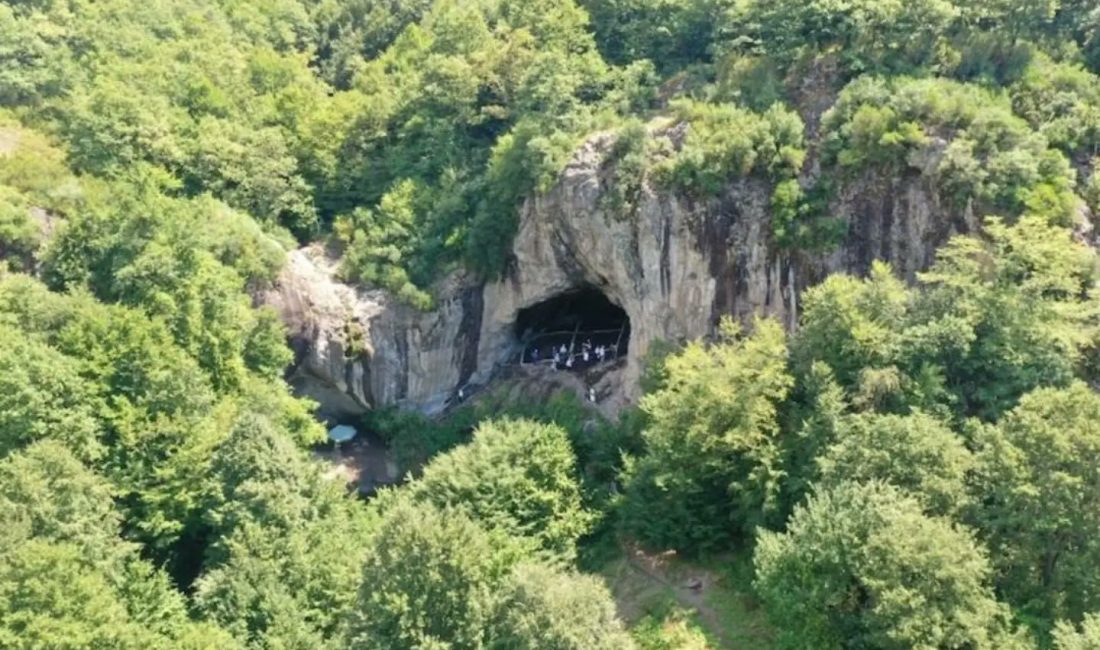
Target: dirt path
<point x="642" y="581"/>
<point x="687" y="585"/>
<point x="365" y="462"/>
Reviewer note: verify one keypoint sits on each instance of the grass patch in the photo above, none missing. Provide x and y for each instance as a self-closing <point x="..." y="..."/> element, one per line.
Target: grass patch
<point x="673" y="604"/>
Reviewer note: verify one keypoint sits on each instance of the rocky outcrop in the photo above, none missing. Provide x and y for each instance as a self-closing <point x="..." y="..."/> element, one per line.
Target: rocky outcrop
<point x="675" y="265"/>
<point x="357" y="349"/>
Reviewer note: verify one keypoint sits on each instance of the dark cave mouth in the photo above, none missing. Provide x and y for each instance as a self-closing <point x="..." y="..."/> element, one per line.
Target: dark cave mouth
<point x="573" y="319"/>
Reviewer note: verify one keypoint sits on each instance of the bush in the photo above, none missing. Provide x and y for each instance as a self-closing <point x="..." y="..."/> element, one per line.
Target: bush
<point x="629" y="163"/>
<point x="710" y="470"/>
<point x="867" y="35"/>
<point x="861" y="565"/>
<point x="725" y="142"/>
<point x="989" y="157"/>
<point x="1061" y="101"/>
<point x="517" y="477"/>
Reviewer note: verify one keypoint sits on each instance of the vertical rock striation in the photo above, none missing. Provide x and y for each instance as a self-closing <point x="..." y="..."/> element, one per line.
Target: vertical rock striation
<point x="676" y="266"/>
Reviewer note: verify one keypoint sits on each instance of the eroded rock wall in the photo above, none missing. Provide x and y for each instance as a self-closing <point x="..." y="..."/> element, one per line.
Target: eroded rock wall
<point x="676" y="266"/>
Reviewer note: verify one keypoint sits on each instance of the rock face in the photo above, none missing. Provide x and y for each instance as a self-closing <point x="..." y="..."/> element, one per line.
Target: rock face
<point x="675" y="266"/>
<point x="357" y="349"/>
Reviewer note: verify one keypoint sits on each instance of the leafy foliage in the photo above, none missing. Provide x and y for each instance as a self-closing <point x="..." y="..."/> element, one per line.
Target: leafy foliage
<point x="867" y="35"/>
<point x="517" y="477"/>
<point x="915" y="453"/>
<point x="987" y="155"/>
<point x="69" y="581"/>
<point x="710" y="470"/>
<point x="428" y="582"/>
<point x="434" y="578"/>
<point x="288" y="543"/>
<point x="862" y="566"/>
<point x="724" y="141"/>
<point x="1062" y="101"/>
<point x="996" y="316"/>
<point x="1035" y="472"/>
<point x="547" y="610"/>
<point x="1067" y="637"/>
<point x="672" y="34"/>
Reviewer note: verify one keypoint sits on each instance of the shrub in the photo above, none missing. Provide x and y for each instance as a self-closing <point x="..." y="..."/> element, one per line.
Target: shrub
<point x="516" y="476"/>
<point x="861" y="565"/>
<point x="989" y="155"/>
<point x="724" y="142"/>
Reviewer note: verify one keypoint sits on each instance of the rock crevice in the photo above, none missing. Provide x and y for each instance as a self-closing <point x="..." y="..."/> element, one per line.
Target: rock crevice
<point x="676" y="267"/>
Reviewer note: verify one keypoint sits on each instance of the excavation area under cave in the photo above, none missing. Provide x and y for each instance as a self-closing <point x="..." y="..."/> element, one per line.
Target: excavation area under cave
<point x="573" y="330"/>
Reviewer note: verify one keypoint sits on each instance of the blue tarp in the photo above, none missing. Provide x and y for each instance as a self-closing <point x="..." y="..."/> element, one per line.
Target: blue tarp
<point x="341" y="433"/>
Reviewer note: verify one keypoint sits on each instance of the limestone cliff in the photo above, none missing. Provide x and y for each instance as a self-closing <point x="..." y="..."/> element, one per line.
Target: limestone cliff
<point x="676" y="267"/>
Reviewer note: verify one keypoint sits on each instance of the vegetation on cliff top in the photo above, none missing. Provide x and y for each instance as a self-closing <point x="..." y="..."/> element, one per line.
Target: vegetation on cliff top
<point x="915" y="466"/>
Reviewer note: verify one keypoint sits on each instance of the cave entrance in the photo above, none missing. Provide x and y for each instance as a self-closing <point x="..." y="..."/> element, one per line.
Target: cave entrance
<point x="581" y="328"/>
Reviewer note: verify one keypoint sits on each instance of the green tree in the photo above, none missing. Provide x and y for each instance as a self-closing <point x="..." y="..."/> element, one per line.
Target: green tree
<point x="1038" y="505"/>
<point x="1062" y="101"/>
<point x="287" y="543"/>
<point x="711" y="466"/>
<point x="360" y="29"/>
<point x="51" y="597"/>
<point x="1068" y="637"/>
<point x="916" y="453"/>
<point x="866" y="35"/>
<point x="429" y="582"/>
<point x="852" y="324"/>
<point x="253" y="170"/>
<point x="1004" y="313"/>
<point x="1012" y="18"/>
<point x="135" y="245"/>
<point x="44" y="396"/>
<point x="46" y="493"/>
<point x="516" y="476"/>
<point x="156" y="404"/>
<point x="671" y="33"/>
<point x="998" y="314"/>
<point x="379" y="243"/>
<point x="543" y="609"/>
<point x="69" y="580"/>
<point x="813" y="417"/>
<point x="861" y="566"/>
<point x="34" y="67"/>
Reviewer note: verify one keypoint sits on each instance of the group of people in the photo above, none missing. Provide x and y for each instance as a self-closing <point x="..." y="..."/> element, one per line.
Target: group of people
<point x="565" y="358"/>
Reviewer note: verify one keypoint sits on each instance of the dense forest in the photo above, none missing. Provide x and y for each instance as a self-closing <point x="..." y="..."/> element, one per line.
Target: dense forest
<point x="916" y="465"/>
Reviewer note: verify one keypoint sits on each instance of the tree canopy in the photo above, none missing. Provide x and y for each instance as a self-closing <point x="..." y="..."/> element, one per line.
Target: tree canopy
<point x="911" y="464"/>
